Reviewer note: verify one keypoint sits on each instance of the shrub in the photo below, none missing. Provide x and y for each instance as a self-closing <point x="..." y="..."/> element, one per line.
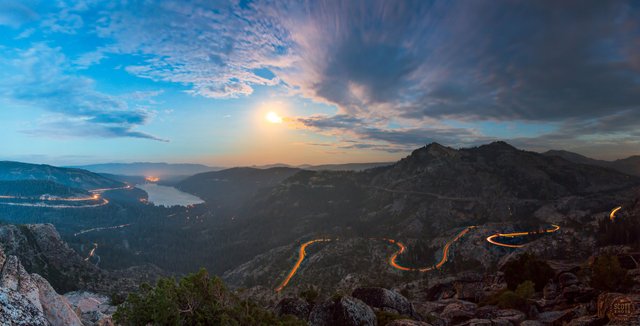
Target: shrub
<point x="608" y="275"/>
<point x="623" y="230"/>
<point x="196" y="299"/>
<point x="526" y="289"/>
<point x="527" y="267"/>
<point x="116" y="298"/>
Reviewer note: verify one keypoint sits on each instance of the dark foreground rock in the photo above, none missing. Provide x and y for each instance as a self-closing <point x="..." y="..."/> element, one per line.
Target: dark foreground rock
<point x="16" y="309"/>
<point x="619" y="309"/>
<point x="407" y="322"/>
<point x="29" y="299"/>
<point x="294" y="306"/>
<point x="347" y="311"/>
<point x="385" y="299"/>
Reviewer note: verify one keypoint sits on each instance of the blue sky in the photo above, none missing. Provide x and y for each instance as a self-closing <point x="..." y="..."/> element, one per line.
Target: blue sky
<point x="191" y="81"/>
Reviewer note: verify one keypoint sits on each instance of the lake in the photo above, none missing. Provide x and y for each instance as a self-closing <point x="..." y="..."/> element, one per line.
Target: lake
<point x="168" y="196"/>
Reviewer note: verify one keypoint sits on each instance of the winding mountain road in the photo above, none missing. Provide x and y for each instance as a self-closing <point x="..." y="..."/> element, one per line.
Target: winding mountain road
<point x="402" y="248"/>
<point x="491" y="238"/>
<point x="445" y="253"/>
<point x="392" y="260"/>
<point x="43" y="199"/>
<point x="92" y="252"/>
<point x="301" y="256"/>
<point x="101" y="229"/>
<point x="612" y="215"/>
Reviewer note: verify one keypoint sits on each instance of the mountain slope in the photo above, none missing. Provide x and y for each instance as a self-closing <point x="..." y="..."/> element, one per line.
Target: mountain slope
<point x="345" y="166"/>
<point x="41" y="250"/>
<point x="497" y="168"/>
<point x="36" y="188"/>
<point x="575" y="157"/>
<point x="434" y="190"/>
<point x="75" y="178"/>
<point x="629" y="165"/>
<point x="226" y="190"/>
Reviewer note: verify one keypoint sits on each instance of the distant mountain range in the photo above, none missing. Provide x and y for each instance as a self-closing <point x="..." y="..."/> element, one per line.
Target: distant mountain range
<point x="629" y="165"/>
<point x="177" y="172"/>
<point x="327" y="167"/>
<point x="345" y="166"/>
<point x="160" y="170"/>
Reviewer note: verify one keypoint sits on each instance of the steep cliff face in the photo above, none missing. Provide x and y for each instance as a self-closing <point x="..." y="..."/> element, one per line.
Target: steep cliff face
<point x="29" y="299"/>
<point x="40" y="250"/>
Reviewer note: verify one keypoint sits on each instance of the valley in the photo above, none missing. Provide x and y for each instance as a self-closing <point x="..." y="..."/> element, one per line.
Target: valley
<point x="286" y="229"/>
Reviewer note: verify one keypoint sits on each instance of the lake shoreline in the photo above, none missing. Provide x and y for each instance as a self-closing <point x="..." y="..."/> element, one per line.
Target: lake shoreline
<point x="168" y="196"/>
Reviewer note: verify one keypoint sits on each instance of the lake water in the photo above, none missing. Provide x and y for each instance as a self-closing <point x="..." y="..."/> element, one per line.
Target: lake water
<point x="168" y="196"/>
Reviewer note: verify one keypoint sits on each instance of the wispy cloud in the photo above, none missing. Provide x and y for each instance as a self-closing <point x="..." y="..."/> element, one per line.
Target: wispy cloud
<point x="362" y="134"/>
<point x="209" y="46"/>
<point x="39" y="77"/>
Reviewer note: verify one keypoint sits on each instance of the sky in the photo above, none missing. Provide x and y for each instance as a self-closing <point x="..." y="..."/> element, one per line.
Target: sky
<point x="257" y="82"/>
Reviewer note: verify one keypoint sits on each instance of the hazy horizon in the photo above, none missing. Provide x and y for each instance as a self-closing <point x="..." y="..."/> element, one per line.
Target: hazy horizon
<point x="80" y="163"/>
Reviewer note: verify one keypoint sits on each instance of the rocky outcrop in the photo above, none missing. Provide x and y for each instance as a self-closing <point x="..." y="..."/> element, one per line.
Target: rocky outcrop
<point x="28" y="299"/>
<point x="531" y="323"/>
<point x="459" y="311"/>
<point x="385" y="299"/>
<point x="93" y="309"/>
<point x="512" y="316"/>
<point x="41" y="250"/>
<point x="15" y="277"/>
<point x="555" y="317"/>
<point x="346" y="311"/>
<point x="56" y="308"/>
<point x="407" y="322"/>
<point x="16" y="309"/>
<point x="294" y="306"/>
<point x="587" y="321"/>
<point x="619" y="308"/>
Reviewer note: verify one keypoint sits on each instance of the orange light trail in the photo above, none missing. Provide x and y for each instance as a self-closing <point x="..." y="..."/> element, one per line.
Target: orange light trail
<point x="445" y="253"/>
<point x="100" y="190"/>
<point x="95" y="196"/>
<point x="93" y="251"/>
<point x="101" y="228"/>
<point x="104" y="202"/>
<point x="491" y="238"/>
<point x="612" y="215"/>
<point x="301" y="256"/>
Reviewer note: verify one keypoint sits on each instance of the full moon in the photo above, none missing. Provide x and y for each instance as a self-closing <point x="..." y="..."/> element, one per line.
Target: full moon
<point x="273" y="117"/>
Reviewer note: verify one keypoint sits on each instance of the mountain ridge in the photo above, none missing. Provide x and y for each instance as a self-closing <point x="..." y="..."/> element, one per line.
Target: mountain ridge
<point x="629" y="165"/>
<point x="71" y="177"/>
